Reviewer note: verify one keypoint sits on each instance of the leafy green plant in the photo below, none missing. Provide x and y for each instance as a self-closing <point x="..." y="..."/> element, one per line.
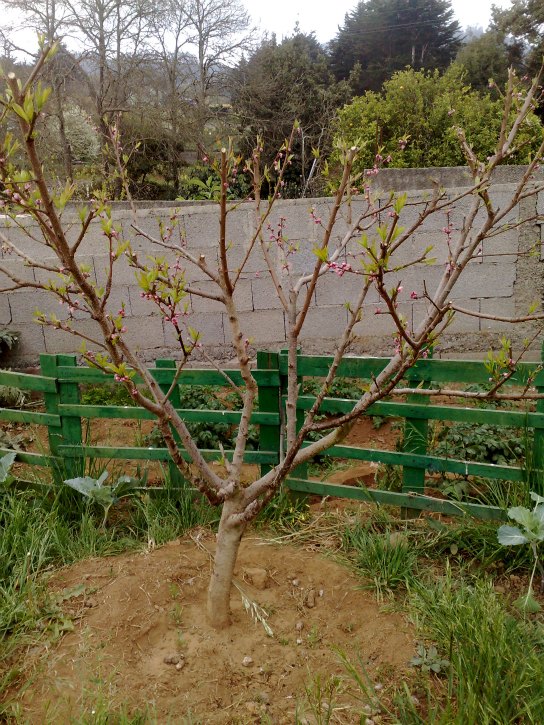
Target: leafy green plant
<point x="6" y="462"/>
<point x="104" y="495"/>
<point x="8" y="339"/>
<point x="530" y="530"/>
<point x="429" y="660"/>
<point x="106" y="395"/>
<point x="207" y="435"/>
<point x="483" y="443"/>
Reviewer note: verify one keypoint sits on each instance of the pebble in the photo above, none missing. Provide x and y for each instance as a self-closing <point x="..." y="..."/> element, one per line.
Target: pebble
<point x="173" y="659"/>
<point x="309" y="599"/>
<point x="180" y="665"/>
<point x="247" y="661"/>
<point x="257" y="577"/>
<point x="90" y="603"/>
<point x="299" y="626"/>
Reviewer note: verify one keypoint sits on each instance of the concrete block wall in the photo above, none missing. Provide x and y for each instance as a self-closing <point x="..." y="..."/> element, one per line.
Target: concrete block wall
<point x="498" y="282"/>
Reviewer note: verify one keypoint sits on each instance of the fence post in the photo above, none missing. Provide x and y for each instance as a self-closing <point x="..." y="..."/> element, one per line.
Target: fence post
<point x="269" y="402"/>
<point x="536" y="476"/>
<point x="416" y="432"/>
<point x="71" y="424"/>
<point x="176" y="479"/>
<point x="48" y="367"/>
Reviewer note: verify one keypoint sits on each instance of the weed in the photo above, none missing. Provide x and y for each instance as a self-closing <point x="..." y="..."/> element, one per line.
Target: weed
<point x="387" y="559"/>
<point x="321" y="697"/>
<point x="530" y="531"/>
<point x="429" y="659"/>
<point x="176" y="614"/>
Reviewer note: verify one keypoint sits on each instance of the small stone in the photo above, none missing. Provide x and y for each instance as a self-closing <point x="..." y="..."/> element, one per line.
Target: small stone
<point x="257" y="577"/>
<point x="172" y="659"/>
<point x="309" y="599"/>
<point x="299" y="641"/>
<point x="299" y="626"/>
<point x="247" y="661"/>
<point x="180" y="665"/>
<point x="321" y="592"/>
<point x="295" y="582"/>
<point x="378" y="686"/>
<point x="90" y="603"/>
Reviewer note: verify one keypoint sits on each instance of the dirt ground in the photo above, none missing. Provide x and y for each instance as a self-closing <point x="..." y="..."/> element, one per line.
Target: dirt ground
<point x="141" y="637"/>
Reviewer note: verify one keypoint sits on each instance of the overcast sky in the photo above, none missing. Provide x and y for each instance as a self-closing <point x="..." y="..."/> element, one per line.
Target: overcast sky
<point x="324" y="16"/>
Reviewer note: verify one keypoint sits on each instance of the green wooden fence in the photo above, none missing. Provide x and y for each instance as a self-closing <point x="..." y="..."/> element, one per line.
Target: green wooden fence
<point x="61" y="380"/>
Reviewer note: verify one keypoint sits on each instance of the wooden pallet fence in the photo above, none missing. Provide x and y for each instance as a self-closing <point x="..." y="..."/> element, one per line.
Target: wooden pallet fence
<point x="63" y="415"/>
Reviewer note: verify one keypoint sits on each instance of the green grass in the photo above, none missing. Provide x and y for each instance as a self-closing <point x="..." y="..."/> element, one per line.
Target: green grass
<point x="497" y="659"/>
<point x="387" y="559"/>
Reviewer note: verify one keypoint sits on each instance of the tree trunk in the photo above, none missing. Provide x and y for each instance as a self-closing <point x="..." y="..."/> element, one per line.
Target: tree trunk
<point x="229" y="536"/>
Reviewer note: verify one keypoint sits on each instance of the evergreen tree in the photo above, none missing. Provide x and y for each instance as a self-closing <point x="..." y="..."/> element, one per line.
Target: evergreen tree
<point x="281" y="83"/>
<point x="387" y="35"/>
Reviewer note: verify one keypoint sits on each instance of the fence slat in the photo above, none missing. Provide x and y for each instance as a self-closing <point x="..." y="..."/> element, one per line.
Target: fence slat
<point x="269" y="408"/>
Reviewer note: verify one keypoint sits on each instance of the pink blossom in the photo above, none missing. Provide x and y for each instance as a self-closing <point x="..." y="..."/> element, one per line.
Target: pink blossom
<point x="414" y="295"/>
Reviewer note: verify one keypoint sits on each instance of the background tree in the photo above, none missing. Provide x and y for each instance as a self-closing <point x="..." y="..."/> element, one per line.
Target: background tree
<point x="487" y="56"/>
<point x="523" y="24"/>
<point x="386" y="35"/>
<point x="218" y="31"/>
<point x="281" y="82"/>
<point x="426" y="136"/>
<point x="376" y="266"/>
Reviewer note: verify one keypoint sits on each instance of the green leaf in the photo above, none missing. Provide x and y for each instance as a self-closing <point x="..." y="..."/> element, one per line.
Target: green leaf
<point x="6" y="462"/>
<point x="125" y="486"/>
<point x="511" y="536"/>
<point x="527" y="603"/>
<point x="536" y="498"/>
<point x="522" y="516"/>
<point x="86" y="485"/>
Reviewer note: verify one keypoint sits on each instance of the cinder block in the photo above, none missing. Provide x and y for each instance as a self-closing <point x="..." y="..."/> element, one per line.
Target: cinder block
<point x="42" y="275"/>
<point x="144" y="333"/>
<point x="262" y="327"/>
<point x="298" y="222"/>
<point x="485" y="280"/>
<point x="265" y="295"/>
<point x="14" y="266"/>
<point x="236" y="256"/>
<point x="462" y="322"/>
<point x="324" y="323"/>
<point x="24" y="304"/>
<point x="201" y="227"/>
<point x="377" y="321"/>
<point x="504" y="243"/>
<point x="137" y="306"/>
<point x="540" y="203"/>
<point x="31" y="340"/>
<point x="505" y="307"/>
<point x="210" y="326"/>
<point x="334" y="290"/>
<point x="5" y="309"/>
<point x="57" y="341"/>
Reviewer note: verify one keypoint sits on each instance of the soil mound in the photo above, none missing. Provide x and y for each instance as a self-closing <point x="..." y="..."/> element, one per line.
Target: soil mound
<point x="141" y="637"/>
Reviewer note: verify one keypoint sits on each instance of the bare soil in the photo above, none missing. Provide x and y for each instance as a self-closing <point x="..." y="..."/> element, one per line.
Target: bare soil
<point x="141" y="637"/>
